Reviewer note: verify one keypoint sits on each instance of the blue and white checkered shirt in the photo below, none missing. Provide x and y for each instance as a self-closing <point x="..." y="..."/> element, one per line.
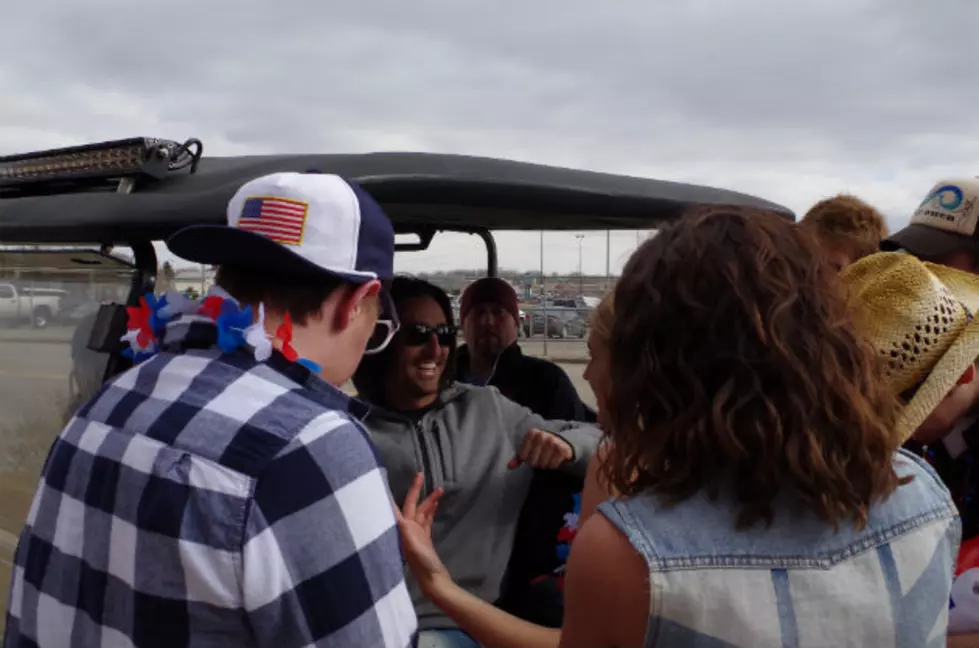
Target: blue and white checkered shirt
<point x="204" y="499"/>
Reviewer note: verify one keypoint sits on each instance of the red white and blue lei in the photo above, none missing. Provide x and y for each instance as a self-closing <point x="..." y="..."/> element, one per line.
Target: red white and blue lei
<point x="237" y="326"/>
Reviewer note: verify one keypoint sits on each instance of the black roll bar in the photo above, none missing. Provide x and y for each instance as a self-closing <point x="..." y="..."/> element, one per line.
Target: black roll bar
<point x="143" y="281"/>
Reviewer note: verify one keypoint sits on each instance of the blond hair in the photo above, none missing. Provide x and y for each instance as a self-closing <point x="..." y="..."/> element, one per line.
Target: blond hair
<point x="848" y="222"/>
<point x="601" y="318"/>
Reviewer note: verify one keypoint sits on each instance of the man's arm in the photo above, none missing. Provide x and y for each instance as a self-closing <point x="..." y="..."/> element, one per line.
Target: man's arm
<point x="582" y="437"/>
<point x="321" y="562"/>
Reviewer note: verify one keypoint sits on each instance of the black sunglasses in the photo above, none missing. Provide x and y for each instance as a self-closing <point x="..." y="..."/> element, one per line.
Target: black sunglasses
<point x="419" y="334"/>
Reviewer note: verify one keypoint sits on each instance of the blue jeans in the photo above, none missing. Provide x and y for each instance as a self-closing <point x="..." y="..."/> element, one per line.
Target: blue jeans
<point x="445" y="638"/>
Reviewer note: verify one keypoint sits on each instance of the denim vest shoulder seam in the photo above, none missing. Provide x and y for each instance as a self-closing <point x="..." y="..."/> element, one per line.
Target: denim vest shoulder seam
<point x="629" y="525"/>
<point x="819" y="561"/>
<point x="620" y="514"/>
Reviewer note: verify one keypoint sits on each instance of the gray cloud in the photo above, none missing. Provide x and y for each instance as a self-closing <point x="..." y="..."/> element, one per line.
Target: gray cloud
<point x="791" y="101"/>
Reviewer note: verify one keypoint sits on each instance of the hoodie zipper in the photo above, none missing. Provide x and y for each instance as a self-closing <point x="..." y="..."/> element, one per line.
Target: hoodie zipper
<point x="426" y="458"/>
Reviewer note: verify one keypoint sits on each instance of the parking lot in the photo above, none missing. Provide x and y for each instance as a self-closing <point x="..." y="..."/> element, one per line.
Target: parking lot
<point x="36" y="363"/>
<point x="34" y="388"/>
<point x="34" y="384"/>
<point x="34" y="391"/>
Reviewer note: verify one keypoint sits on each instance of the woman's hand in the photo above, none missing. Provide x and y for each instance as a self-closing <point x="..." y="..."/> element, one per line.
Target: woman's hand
<point x="415" y="524"/>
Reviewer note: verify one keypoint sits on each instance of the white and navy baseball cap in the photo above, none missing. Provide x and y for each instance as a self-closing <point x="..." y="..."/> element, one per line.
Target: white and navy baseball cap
<point x="304" y="223"/>
<point x="946" y="221"/>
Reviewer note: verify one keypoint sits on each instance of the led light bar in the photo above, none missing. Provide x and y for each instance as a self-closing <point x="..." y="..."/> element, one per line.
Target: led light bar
<point x="131" y="158"/>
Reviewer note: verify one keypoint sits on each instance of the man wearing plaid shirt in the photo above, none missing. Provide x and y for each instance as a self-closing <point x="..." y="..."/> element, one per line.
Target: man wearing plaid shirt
<point x="222" y="492"/>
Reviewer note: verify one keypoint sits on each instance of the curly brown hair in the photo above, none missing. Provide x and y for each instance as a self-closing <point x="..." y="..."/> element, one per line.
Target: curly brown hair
<point x="847" y="222"/>
<point x="734" y="368"/>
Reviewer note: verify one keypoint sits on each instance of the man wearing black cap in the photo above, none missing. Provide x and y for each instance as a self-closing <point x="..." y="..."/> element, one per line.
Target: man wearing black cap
<point x="944" y="228"/>
<point x="491" y="356"/>
<point x="221" y="492"/>
<point x="490" y="319"/>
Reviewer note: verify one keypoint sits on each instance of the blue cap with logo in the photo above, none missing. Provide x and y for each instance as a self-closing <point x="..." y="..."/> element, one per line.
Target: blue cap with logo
<point x="944" y="223"/>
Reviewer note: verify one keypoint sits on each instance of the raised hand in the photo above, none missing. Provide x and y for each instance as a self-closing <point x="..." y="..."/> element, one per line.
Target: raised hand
<point x="415" y="525"/>
<point x="541" y="449"/>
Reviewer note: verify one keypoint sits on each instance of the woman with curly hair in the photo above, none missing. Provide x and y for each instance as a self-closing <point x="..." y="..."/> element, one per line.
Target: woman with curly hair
<point x="764" y="498"/>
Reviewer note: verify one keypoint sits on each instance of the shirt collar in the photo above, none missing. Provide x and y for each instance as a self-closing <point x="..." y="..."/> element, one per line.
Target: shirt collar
<point x="198" y="332"/>
<point x="318" y="389"/>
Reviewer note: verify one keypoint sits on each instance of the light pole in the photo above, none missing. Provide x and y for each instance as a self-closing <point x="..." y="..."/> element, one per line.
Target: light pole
<point x="581" y="238"/>
<point x="543" y="295"/>
<point x="608" y="256"/>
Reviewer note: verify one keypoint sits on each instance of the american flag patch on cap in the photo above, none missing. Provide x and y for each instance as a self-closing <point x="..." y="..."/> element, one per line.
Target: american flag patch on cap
<point x="279" y="219"/>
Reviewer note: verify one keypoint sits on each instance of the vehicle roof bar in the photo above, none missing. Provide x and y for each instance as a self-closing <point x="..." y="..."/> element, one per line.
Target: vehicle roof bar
<point x="492" y="259"/>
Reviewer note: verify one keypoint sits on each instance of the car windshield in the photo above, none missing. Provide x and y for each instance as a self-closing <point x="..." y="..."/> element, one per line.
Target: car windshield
<point x="48" y="303"/>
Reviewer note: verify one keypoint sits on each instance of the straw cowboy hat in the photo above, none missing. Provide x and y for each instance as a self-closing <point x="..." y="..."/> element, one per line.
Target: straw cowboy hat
<point x="919" y="316"/>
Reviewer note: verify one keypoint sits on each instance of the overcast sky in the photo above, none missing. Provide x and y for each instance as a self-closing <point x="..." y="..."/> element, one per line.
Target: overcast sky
<point x="792" y="101"/>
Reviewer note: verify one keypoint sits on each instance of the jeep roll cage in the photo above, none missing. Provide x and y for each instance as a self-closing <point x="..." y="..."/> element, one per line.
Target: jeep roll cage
<point x="133" y="192"/>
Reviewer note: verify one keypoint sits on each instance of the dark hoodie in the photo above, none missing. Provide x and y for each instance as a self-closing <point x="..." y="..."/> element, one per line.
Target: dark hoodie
<point x="533" y="382"/>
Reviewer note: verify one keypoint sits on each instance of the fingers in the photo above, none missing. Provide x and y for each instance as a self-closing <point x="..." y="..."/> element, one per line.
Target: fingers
<point x="523" y="452"/>
<point x="421" y="514"/>
<point x="430" y="503"/>
<point x="542" y="449"/>
<point x="534" y="443"/>
<point x="427" y="509"/>
<point x="411" y="499"/>
<point x="547" y="457"/>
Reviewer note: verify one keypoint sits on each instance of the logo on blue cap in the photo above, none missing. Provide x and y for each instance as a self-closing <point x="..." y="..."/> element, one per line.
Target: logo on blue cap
<point x="948" y="197"/>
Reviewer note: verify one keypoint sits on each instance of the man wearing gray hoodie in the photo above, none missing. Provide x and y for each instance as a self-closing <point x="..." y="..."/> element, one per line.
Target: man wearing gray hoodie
<point x="470" y="441"/>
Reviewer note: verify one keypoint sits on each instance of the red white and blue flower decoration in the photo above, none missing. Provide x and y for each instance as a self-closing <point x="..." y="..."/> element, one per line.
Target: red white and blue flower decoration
<point x="566" y="536"/>
<point x="963" y="613"/>
<point x="236" y="325"/>
<point x="144" y="327"/>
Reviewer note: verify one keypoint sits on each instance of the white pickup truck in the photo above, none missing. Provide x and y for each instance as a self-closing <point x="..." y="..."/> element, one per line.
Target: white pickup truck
<point x="39" y="306"/>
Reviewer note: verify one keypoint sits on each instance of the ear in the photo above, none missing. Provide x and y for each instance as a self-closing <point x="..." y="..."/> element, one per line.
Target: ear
<point x="968" y="376"/>
<point x="356" y="301"/>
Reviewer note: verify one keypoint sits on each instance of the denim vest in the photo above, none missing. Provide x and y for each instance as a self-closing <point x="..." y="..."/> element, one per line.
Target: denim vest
<point x="798" y="583"/>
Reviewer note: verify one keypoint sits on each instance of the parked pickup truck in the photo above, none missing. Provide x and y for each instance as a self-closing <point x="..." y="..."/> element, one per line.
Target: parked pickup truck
<point x="39" y="306"/>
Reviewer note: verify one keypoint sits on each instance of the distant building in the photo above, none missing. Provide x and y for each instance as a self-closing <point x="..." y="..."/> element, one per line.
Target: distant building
<point x="193" y="280"/>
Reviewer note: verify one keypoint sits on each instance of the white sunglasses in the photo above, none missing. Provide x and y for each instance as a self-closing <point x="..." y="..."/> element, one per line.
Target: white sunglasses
<point x="386" y="328"/>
